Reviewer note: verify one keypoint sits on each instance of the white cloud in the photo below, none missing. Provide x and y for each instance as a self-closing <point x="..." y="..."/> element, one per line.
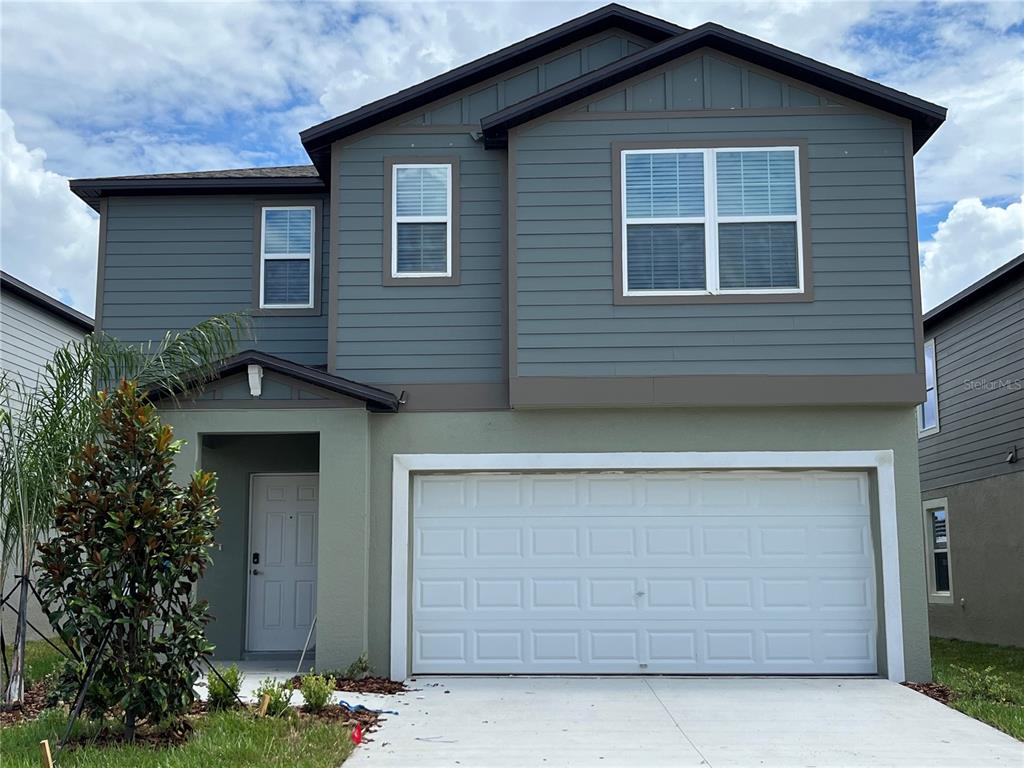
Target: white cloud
<point x="972" y="241"/>
<point x="47" y="236"/>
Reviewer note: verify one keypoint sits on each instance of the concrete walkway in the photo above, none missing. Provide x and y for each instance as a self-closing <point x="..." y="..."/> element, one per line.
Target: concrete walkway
<point x="678" y="722"/>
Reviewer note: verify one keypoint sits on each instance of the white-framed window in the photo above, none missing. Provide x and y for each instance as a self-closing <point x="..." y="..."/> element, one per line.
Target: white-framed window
<point x="711" y="221"/>
<point x="936" y="531"/>
<point x="287" y="256"/>
<point x="421" y="221"/>
<point x="928" y="411"/>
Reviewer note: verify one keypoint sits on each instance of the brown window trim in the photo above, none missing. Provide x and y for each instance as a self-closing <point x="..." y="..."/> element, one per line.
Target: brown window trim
<point x="389" y="164"/>
<point x="619" y="297"/>
<point x="317" y="286"/>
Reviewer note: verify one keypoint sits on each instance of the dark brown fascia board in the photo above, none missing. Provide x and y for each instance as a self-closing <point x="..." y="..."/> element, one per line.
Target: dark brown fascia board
<point x="925" y="116"/>
<point x="46" y="303"/>
<point x="92" y="190"/>
<point x="377" y="400"/>
<point x="318" y="138"/>
<point x="1011" y="270"/>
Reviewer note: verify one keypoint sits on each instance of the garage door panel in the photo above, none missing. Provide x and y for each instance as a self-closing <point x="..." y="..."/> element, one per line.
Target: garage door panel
<point x="704" y="540"/>
<point x="732" y="572"/>
<point x="656" y="594"/>
<point x="622" y="647"/>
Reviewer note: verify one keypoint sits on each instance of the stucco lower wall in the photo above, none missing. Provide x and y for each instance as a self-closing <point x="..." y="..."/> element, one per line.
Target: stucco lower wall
<point x="986" y="541"/>
<point x="355" y="459"/>
<point x="749" y="429"/>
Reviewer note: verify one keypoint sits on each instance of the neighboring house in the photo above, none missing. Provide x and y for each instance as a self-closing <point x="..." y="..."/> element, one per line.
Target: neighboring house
<point x="32" y="327"/>
<point x="598" y="354"/>
<point x="971" y="428"/>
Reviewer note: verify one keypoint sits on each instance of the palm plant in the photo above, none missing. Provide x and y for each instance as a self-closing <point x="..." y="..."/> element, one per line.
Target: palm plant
<point x="44" y="424"/>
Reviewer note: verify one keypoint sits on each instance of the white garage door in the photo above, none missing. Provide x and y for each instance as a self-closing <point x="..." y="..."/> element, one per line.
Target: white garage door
<point x="687" y="572"/>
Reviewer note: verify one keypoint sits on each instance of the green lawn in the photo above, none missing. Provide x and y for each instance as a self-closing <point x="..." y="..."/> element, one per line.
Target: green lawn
<point x="996" y="697"/>
<point x="229" y="739"/>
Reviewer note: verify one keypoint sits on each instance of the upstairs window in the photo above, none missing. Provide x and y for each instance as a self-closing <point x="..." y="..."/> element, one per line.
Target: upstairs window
<point x="711" y="221"/>
<point x="287" y="255"/>
<point x="421" y="222"/>
<point x="928" y="411"/>
<point x="936" y="523"/>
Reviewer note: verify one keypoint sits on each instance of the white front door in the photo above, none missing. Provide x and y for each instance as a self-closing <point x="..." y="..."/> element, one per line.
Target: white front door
<point x="282" y="561"/>
<point x="754" y="572"/>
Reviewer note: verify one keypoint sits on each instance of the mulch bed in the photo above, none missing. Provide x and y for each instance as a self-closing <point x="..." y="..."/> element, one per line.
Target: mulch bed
<point x="936" y="691"/>
<point x="34" y="703"/>
<point x="363" y="685"/>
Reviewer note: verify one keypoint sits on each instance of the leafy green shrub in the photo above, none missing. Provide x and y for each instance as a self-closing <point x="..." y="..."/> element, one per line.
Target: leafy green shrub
<point x="358" y="669"/>
<point x="986" y="685"/>
<point x="127" y="549"/>
<point x="317" y="690"/>
<point x="224" y="693"/>
<point x="280" y="696"/>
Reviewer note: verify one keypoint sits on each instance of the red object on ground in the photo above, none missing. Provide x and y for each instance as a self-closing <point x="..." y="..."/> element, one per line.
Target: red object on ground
<point x="357" y="734"/>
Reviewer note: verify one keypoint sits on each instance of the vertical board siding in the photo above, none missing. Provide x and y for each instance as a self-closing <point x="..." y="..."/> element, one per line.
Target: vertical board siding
<point x="29" y="337"/>
<point x="530" y="79"/>
<point x="861" y="320"/>
<point x="417" y="334"/>
<point x="700" y="81"/>
<point x="979" y="361"/>
<point x="172" y="262"/>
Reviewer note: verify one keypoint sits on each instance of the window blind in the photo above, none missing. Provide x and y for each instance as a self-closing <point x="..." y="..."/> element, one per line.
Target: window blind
<point x="664" y="185"/>
<point x="287" y="232"/>
<point x="756" y="183"/>
<point x="757" y="255"/>
<point x="286" y="281"/>
<point x="421" y="191"/>
<point x="422" y="247"/>
<point x="666" y="257"/>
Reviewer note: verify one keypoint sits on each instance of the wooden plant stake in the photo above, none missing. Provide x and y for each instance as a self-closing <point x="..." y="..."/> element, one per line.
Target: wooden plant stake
<point x="264" y="703"/>
<point x="44" y="753"/>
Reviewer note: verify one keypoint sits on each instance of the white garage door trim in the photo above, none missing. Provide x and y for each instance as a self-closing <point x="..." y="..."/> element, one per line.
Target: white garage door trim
<point x="879" y="462"/>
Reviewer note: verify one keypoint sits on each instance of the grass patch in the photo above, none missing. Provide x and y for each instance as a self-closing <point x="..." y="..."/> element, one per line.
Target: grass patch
<point x="230" y="739"/>
<point x="960" y="664"/>
<point x="40" y="659"/>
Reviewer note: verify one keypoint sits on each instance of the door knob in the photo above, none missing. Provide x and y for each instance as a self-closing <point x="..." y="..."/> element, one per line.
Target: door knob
<point x="256" y="571"/>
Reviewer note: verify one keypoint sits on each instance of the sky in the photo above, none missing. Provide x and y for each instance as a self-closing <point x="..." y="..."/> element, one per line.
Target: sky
<point x="102" y="89"/>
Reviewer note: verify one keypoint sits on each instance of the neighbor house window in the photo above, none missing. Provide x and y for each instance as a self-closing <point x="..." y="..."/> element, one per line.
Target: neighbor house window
<point x="928" y="411"/>
<point x="287" y="248"/>
<point x="711" y="221"/>
<point x="421" y="221"/>
<point x="936" y="522"/>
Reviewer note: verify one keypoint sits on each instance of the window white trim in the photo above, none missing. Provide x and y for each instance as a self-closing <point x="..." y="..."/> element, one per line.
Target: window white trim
<point x="310" y="256"/>
<point x="396" y="219"/>
<point x="711" y="220"/>
<point x="922" y="429"/>
<point x="881" y="462"/>
<point x="944" y="597"/>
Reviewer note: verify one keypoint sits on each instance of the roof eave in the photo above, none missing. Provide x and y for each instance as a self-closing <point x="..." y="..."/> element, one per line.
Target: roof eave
<point x="92" y="190"/>
<point x="324" y="134"/>
<point x="377" y="400"/>
<point x="46" y="302"/>
<point x="925" y="116"/>
<point x="1012" y="269"/>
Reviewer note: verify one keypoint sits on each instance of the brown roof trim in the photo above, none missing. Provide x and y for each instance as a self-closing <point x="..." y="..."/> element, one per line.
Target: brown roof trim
<point x="297" y="179"/>
<point x="318" y="138"/>
<point x="925" y="116"/>
<point x="1011" y="270"/>
<point x="377" y="400"/>
<point x="45" y="302"/>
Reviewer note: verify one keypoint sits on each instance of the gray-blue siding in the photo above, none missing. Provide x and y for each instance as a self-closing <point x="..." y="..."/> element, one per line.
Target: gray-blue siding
<point x="412" y="334"/>
<point x="174" y="261"/>
<point x="861" y="320"/>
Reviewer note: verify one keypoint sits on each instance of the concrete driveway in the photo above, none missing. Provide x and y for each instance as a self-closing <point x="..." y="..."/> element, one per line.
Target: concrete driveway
<point x="679" y="722"/>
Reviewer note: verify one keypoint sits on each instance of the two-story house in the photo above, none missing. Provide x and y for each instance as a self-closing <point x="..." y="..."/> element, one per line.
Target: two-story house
<point x="598" y="354"/>
<point x="971" y="428"/>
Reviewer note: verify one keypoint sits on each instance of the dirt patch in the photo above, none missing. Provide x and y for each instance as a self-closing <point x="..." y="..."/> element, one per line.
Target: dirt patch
<point x="363" y="685"/>
<point x="32" y="706"/>
<point x="936" y="691"/>
<point x="171" y="735"/>
<point x="333" y="713"/>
